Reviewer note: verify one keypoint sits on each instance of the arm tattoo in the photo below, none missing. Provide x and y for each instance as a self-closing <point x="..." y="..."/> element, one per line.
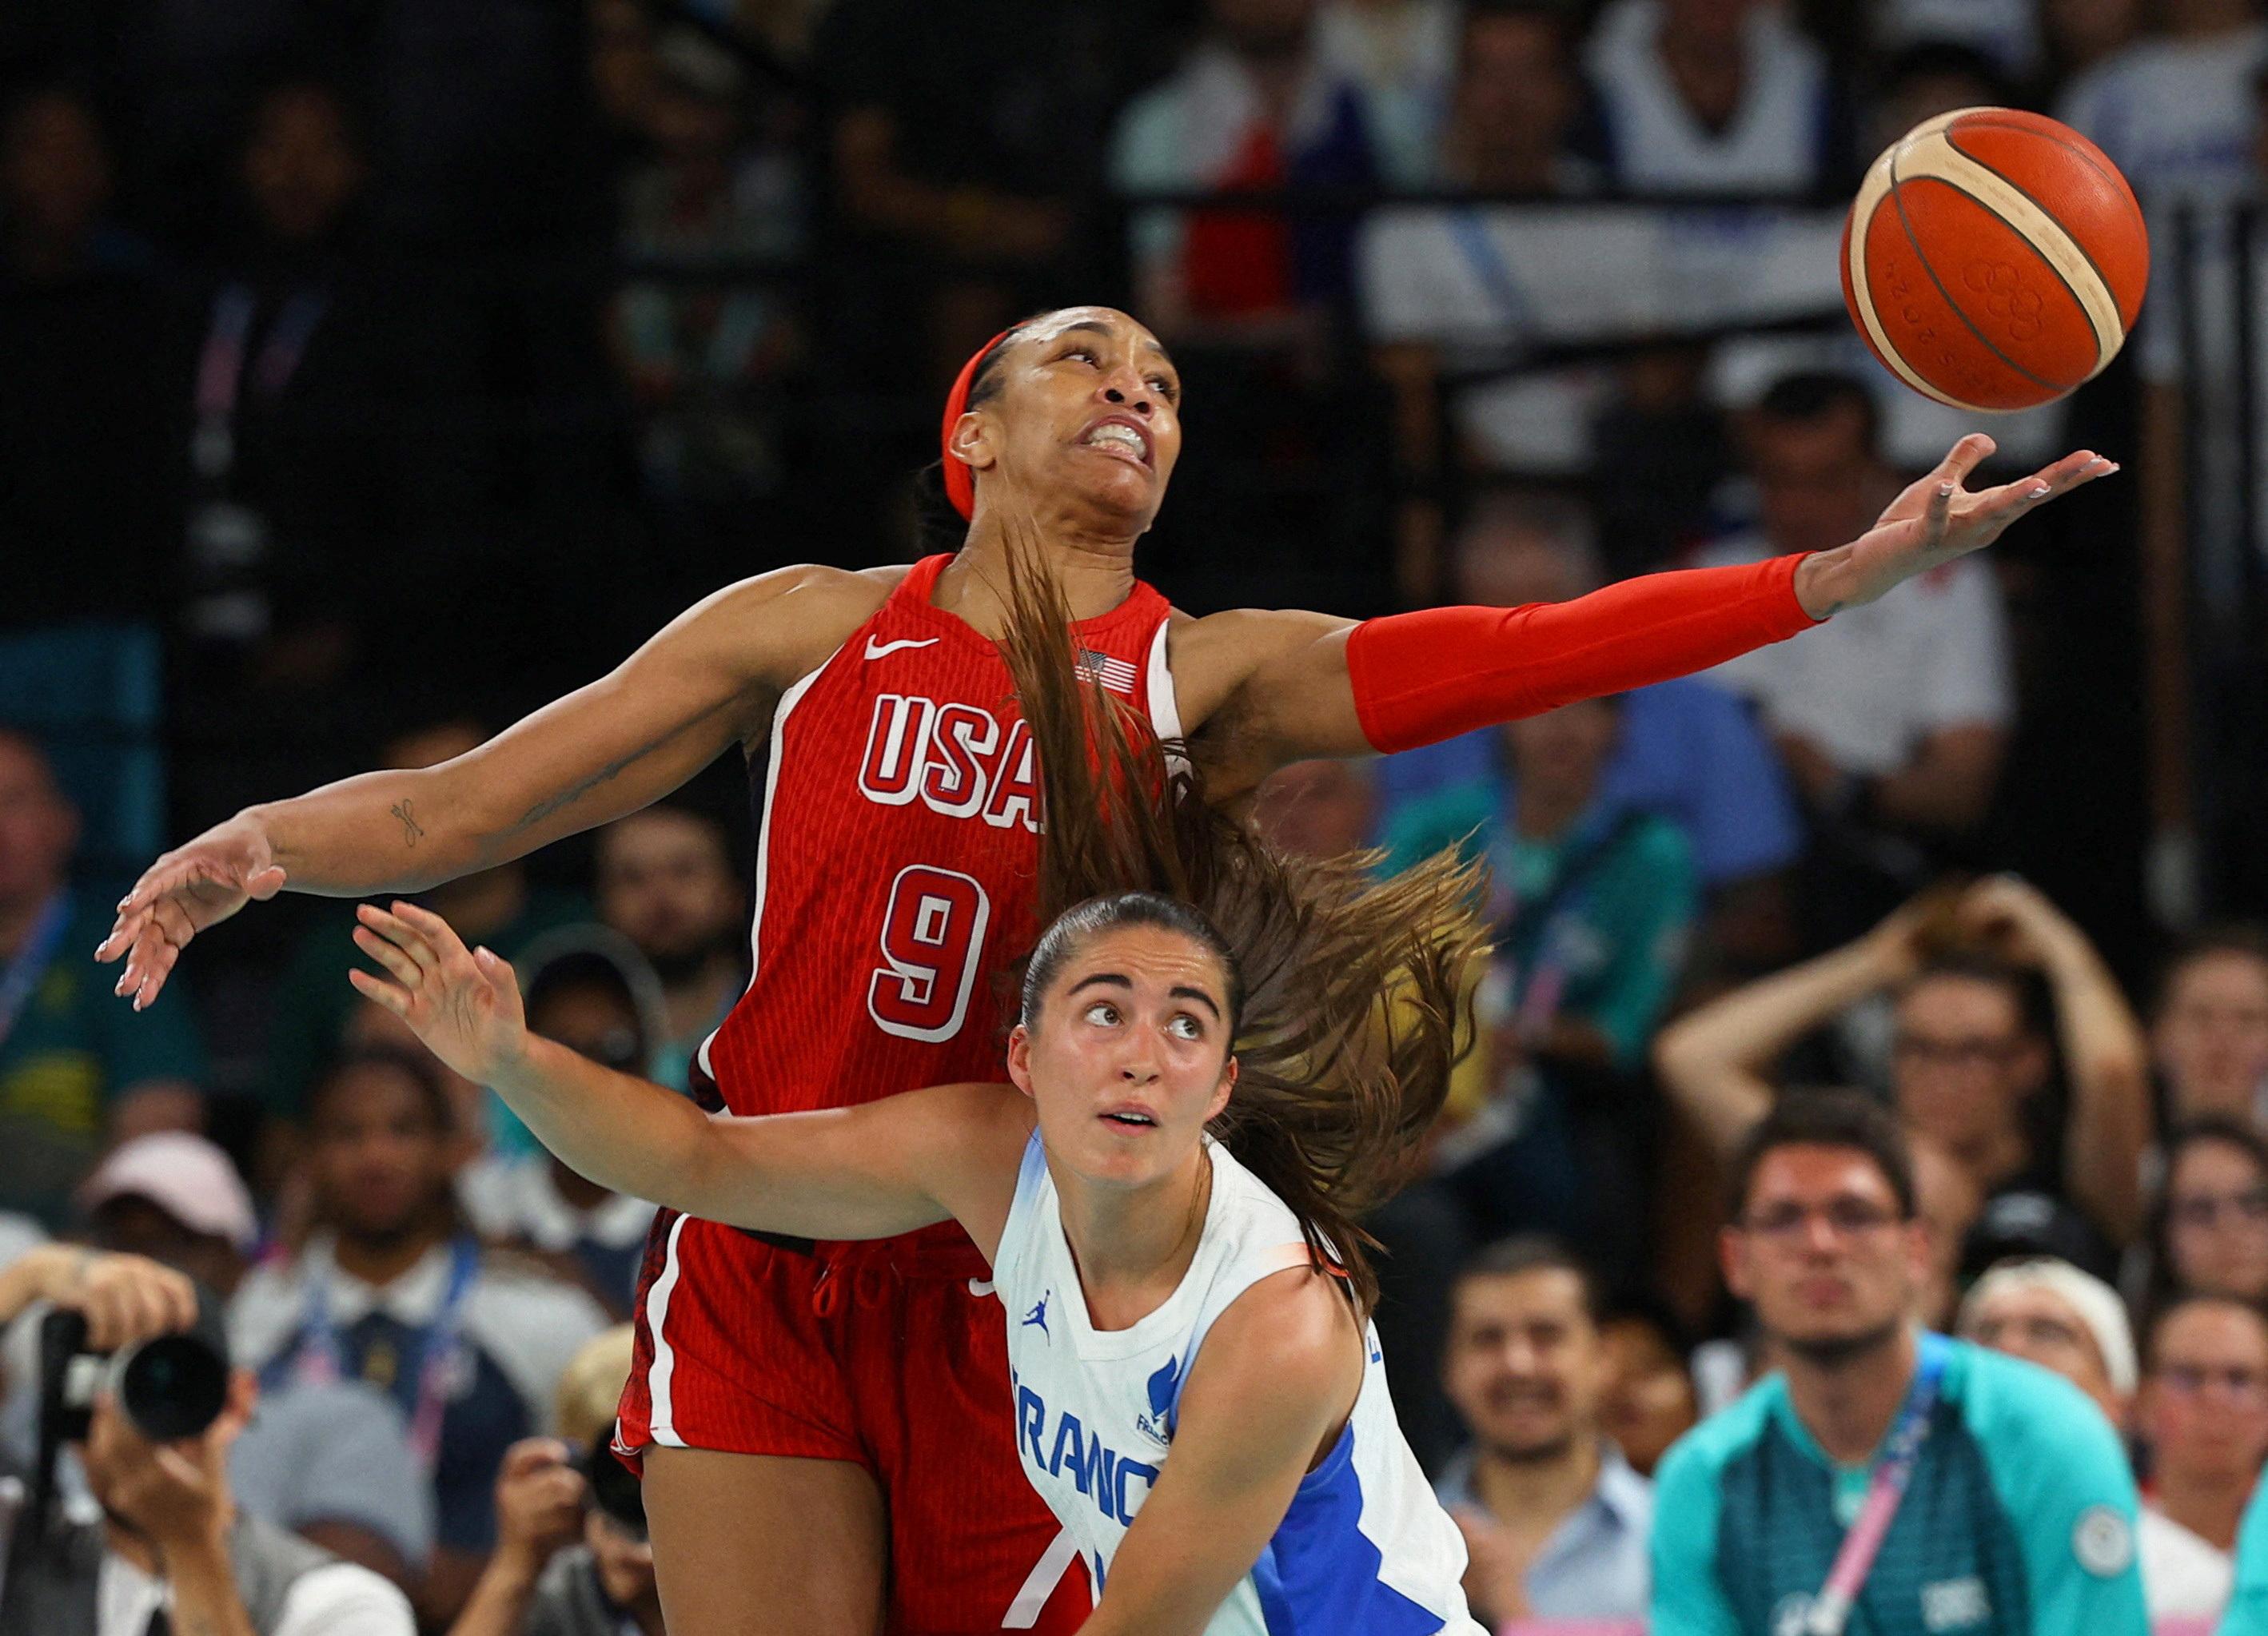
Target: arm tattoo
<point x="412" y="831"/>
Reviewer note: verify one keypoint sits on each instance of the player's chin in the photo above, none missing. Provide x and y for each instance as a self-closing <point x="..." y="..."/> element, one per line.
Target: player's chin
<point x="1129" y="491"/>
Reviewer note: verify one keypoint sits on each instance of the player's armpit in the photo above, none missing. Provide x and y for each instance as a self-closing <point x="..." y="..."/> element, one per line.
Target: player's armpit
<point x="873" y="1170"/>
<point x="1274" y="1383"/>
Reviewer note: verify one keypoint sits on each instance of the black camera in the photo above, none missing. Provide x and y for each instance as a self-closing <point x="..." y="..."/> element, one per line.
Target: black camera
<point x="614" y="1489"/>
<point x="169" y="1388"/>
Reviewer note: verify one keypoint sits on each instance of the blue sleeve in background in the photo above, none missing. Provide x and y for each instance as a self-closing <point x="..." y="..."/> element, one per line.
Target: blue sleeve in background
<point x="2248" y="1608"/>
<point x="1688" y="1597"/>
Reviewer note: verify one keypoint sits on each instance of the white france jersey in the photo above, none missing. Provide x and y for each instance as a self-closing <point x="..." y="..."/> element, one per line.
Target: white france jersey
<point x="1365" y="1548"/>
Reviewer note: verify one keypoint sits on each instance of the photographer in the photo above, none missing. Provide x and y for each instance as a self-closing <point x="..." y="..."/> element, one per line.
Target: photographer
<point x="169" y="1553"/>
<point x="541" y="1582"/>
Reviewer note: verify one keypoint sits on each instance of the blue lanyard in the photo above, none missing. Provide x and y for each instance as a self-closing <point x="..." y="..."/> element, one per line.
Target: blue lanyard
<point x="31" y="963"/>
<point x="322" y="1355"/>
<point x="1831" y="1610"/>
<point x="1488" y="264"/>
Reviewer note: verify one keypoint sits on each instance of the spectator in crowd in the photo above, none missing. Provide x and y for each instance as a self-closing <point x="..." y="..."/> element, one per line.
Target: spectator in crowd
<point x="696" y="355"/>
<point x="2001" y="35"/>
<point x="1555" y="1519"/>
<point x="2202" y="1416"/>
<point x="77" y="1070"/>
<point x="665" y="881"/>
<point x="1319" y="809"/>
<point x="2018" y="1505"/>
<point x="1969" y="1061"/>
<point x="2175" y="109"/>
<point x="2209" y="1033"/>
<point x="2208" y="1234"/>
<point x="2051" y="1313"/>
<point x="300" y="355"/>
<point x="2078" y="34"/>
<point x="1649" y="1399"/>
<point x="1595" y="903"/>
<point x="330" y="1460"/>
<point x="56" y="190"/>
<point x="1893" y="723"/>
<point x="563" y="1565"/>
<point x="585" y="994"/>
<point x="958" y="141"/>
<point x="1688" y="749"/>
<point x="2062" y="1319"/>
<point x="625" y="78"/>
<point x="1254" y="104"/>
<point x="1714" y="96"/>
<point x="500" y="907"/>
<point x="1401" y="55"/>
<point x="169" y="1548"/>
<point x="84" y="523"/>
<point x="392" y="1289"/>
<point x="1467" y="287"/>
<point x="1949" y="1201"/>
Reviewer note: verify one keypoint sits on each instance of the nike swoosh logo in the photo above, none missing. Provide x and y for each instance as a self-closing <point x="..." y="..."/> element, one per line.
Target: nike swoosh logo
<point x="876" y="650"/>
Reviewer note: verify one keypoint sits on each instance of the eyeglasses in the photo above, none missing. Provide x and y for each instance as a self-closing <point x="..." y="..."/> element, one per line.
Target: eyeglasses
<point x="2206" y="1210"/>
<point x="2190" y="1380"/>
<point x="1971" y="1053"/>
<point x="1850" y="1218"/>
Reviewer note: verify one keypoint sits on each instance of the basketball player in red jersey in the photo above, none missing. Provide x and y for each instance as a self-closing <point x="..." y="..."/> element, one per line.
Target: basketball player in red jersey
<point x="826" y="1429"/>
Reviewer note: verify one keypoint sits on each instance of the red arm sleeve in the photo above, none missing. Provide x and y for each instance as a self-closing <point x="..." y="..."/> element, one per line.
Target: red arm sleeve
<point x="1421" y="677"/>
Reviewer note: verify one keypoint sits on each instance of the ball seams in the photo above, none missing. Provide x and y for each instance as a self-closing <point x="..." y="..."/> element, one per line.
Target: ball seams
<point x="1952" y="134"/>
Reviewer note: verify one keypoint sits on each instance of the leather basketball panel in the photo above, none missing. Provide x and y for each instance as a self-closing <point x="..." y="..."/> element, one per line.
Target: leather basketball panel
<point x="2069" y="178"/>
<point x="1923" y="326"/>
<point x="1994" y="277"/>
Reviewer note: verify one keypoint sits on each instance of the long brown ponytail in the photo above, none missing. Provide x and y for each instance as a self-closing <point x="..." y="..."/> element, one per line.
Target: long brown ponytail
<point x="1351" y="984"/>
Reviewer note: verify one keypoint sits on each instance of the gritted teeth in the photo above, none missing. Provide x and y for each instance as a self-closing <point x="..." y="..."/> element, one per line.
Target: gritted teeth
<point x="1120" y="434"/>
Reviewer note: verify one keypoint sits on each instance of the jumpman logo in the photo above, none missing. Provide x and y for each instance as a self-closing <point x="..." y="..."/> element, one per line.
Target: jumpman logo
<point x="1038" y="1315"/>
<point x="877" y="649"/>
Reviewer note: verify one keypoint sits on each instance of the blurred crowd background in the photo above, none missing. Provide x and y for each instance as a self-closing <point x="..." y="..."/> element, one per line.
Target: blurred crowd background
<point x="372" y="371"/>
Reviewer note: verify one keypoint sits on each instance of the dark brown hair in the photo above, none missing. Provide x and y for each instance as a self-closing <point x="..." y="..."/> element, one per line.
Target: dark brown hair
<point x="1347" y="986"/>
<point x="1834" y="1118"/>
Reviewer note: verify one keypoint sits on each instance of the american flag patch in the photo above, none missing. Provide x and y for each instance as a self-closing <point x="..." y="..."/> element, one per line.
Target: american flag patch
<point x="1115" y="674"/>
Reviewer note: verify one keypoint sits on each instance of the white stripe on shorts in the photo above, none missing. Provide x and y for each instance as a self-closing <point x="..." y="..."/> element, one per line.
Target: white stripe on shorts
<point x="658" y="1414"/>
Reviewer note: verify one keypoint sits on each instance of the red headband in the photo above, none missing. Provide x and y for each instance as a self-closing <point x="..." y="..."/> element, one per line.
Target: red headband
<point x="960" y="477"/>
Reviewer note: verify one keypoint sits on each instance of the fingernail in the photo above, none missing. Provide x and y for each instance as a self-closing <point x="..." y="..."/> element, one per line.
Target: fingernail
<point x="2041" y="493"/>
<point x="1945" y="491"/>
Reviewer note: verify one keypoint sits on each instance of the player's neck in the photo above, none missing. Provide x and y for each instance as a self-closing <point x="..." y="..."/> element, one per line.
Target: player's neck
<point x="2210" y="1505"/>
<point x="1533" y="1493"/>
<point x="1095" y="572"/>
<point x="1847" y="1403"/>
<point x="1132" y="1247"/>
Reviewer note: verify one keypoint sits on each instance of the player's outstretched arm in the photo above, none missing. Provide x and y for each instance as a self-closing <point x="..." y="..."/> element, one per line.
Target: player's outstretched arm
<point x="871" y="1171"/>
<point x="1270" y="689"/>
<point x="708" y="678"/>
<point x="1278" y="1375"/>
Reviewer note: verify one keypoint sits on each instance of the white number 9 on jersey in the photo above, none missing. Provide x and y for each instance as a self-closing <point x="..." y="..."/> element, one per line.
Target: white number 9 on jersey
<point x="932" y="943"/>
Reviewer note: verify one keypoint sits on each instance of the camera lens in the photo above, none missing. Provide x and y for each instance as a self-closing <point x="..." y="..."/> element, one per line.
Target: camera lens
<point x="172" y="1387"/>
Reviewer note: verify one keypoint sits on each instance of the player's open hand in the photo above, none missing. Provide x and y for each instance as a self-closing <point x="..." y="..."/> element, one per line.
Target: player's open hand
<point x="192" y="887"/>
<point x="1938" y="517"/>
<point x="463" y="1003"/>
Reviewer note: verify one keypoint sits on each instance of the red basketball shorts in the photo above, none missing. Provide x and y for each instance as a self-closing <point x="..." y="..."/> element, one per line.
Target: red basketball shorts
<point x="881" y="1354"/>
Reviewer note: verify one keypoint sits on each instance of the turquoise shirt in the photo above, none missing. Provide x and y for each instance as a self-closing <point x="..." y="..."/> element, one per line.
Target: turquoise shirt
<point x="2019" y="1520"/>
<point x="2247" y="1607"/>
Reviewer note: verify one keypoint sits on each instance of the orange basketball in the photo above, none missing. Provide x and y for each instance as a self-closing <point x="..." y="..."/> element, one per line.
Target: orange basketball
<point x="1994" y="259"/>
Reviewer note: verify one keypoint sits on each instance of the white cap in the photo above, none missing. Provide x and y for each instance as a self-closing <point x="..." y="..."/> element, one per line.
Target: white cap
<point x="186" y="1177"/>
<point x="2096" y="1303"/>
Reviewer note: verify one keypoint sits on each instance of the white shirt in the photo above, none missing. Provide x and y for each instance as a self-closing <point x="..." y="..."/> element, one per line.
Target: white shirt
<point x="338" y="1600"/>
<point x="2175" y="115"/>
<point x="1482" y="283"/>
<point x="1874" y="682"/>
<point x="1401" y="55"/>
<point x="529" y="1323"/>
<point x="2183" y="1575"/>
<point x="1364" y="1545"/>
<point x="518" y="1199"/>
<point x="1775" y="141"/>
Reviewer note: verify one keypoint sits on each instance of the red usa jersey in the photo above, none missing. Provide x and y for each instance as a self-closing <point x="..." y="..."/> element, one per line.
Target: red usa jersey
<point x="897" y="847"/>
